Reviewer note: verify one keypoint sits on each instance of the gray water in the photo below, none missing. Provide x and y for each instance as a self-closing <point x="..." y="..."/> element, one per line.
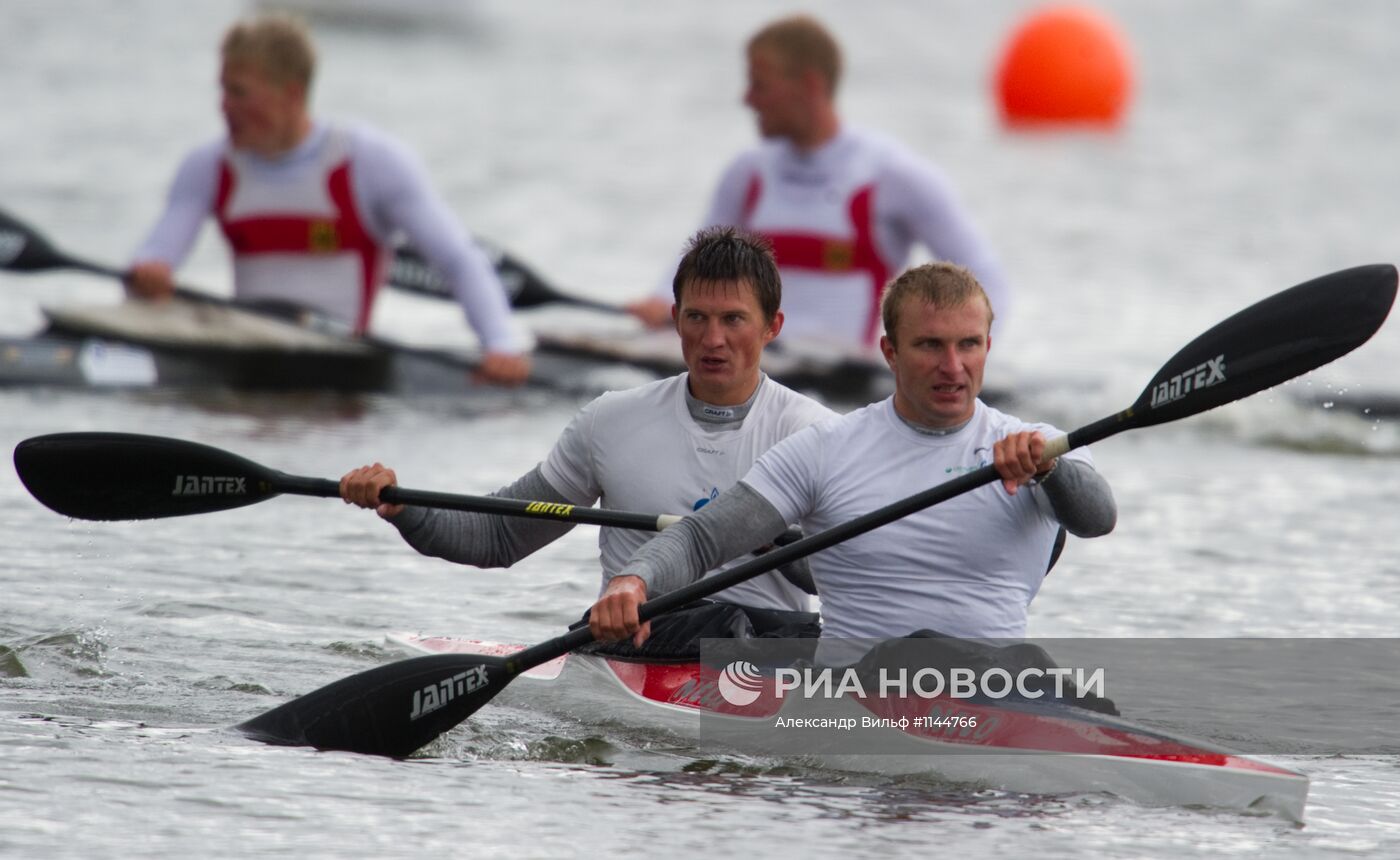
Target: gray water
<point x="1259" y="153"/>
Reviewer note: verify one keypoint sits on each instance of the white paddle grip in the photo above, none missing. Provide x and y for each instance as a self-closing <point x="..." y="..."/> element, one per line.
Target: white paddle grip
<point x="1054" y="448"/>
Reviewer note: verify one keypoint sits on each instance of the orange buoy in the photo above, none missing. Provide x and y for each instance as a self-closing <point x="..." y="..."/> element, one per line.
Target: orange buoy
<point x="1064" y="64"/>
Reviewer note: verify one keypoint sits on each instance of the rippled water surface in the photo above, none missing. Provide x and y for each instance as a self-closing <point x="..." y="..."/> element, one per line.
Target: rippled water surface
<point x="1259" y="153"/>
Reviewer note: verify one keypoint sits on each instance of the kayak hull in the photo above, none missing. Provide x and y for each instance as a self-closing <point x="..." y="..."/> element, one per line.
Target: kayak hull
<point x="1033" y="749"/>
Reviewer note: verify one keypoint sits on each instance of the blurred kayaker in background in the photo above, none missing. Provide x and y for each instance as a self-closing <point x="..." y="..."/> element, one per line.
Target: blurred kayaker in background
<point x="843" y="207"/>
<point x="312" y="209"/>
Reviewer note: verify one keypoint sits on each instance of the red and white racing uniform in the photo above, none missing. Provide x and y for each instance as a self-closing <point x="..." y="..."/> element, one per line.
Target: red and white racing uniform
<point x="316" y="226"/>
<point x="843" y="220"/>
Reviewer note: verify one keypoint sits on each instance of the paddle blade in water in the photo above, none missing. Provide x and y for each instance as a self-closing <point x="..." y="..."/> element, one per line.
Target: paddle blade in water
<point x="124" y="476"/>
<point x="391" y="710"/>
<point x="1283" y="336"/>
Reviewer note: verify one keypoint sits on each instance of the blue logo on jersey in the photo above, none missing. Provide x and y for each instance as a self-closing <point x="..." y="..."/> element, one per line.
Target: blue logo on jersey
<point x="980" y="454"/>
<point x="702" y="502"/>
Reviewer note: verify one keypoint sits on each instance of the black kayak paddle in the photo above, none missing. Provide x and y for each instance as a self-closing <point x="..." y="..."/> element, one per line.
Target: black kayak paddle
<point x="129" y="476"/>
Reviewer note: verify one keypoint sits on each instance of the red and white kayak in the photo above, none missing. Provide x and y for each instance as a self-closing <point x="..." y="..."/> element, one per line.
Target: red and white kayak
<point x="1039" y="749"/>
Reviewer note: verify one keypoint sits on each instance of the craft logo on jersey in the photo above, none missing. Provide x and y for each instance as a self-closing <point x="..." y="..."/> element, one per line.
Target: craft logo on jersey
<point x="209" y="485"/>
<point x="434" y="696"/>
<point x="1207" y="373"/>
<point x="322" y="237"/>
<point x="740" y="683"/>
<point x="705" y="500"/>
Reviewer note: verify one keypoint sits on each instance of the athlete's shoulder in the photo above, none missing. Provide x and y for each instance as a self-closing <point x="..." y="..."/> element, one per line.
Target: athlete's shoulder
<point x="808" y="444"/>
<point x="746" y="163"/>
<point x="197" y="176"/>
<point x="365" y="140"/>
<point x="628" y="401"/>
<point x="880" y="410"/>
<point x="206" y="156"/>
<point x="795" y="408"/>
<point x="874" y="140"/>
<point x="844" y="429"/>
<point x="896" y="158"/>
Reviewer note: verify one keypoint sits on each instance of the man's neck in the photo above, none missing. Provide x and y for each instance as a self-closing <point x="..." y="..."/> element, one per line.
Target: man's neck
<point x="734" y="395"/>
<point x="720" y="416"/>
<point x="929" y="425"/>
<point x="295" y="136"/>
<point x="823" y="131"/>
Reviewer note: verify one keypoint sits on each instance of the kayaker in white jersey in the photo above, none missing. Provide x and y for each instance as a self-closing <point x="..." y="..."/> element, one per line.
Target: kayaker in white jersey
<point x="666" y="447"/>
<point x="312" y="209"/>
<point x="842" y="206"/>
<point x="968" y="567"/>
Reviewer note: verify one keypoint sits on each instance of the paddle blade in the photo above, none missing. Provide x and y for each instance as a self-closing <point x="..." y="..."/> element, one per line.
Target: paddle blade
<point x="21" y="249"/>
<point x="390" y="710"/>
<point x="1283" y="336"/>
<point x="125" y="476"/>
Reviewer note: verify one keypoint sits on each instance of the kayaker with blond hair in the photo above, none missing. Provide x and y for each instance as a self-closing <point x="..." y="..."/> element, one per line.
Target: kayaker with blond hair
<point x="312" y="209"/>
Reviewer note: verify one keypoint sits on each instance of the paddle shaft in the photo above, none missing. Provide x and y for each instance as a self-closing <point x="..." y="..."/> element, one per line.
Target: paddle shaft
<point x="24" y="249"/>
<point x="525" y="508"/>
<point x="324" y="488"/>
<point x="717" y="582"/>
<point x="188" y="293"/>
<point x="525" y="287"/>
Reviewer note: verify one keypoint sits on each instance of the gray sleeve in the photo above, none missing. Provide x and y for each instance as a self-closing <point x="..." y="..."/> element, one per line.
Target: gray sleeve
<point x="1081" y="499"/>
<point x="484" y="540"/>
<point x="730" y="526"/>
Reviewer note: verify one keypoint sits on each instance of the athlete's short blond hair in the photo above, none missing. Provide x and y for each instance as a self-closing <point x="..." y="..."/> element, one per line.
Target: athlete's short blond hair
<point x="802" y="43"/>
<point x="943" y="285"/>
<point x="277" y="44"/>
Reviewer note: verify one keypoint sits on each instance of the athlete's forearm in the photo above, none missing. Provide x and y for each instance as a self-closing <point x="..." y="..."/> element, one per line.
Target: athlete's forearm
<point x="396" y="189"/>
<point x="469" y="272"/>
<point x="484" y="540"/>
<point x="730" y="526"/>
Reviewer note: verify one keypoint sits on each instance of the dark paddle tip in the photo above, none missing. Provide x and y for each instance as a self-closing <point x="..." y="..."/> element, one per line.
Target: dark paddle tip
<point x="392" y="710"/>
<point x="1272" y="341"/>
<point x="129" y="476"/>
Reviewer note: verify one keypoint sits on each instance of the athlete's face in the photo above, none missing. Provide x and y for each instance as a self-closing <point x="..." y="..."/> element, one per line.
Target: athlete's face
<point x="775" y="94"/>
<point x="938" y="355"/>
<point x="723" y="333"/>
<point x="262" y="116"/>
